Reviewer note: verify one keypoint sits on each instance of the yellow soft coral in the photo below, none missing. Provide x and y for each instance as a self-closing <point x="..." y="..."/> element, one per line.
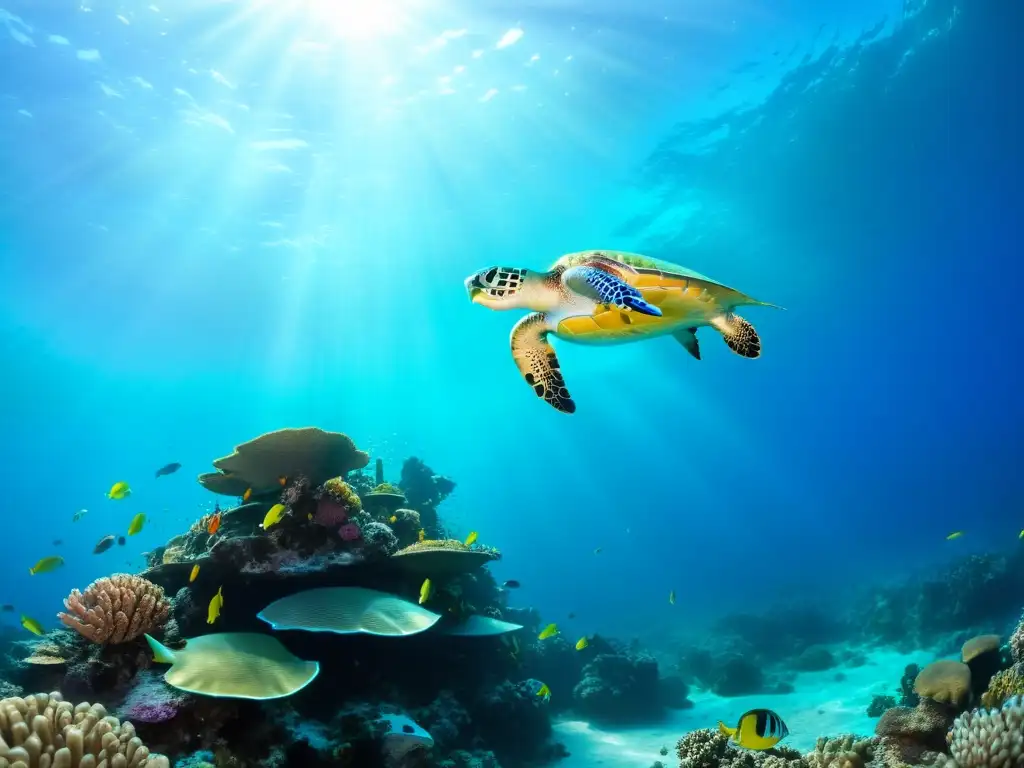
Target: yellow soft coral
<point x="344" y="494"/>
<point x="45" y="730"/>
<point x="1002" y="686"/>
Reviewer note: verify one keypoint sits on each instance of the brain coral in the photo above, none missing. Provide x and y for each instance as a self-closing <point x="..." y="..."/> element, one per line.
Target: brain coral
<point x="946" y="681"/>
<point x="44" y="731"/>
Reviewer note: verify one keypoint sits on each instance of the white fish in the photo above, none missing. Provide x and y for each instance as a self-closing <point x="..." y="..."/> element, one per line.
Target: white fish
<point x="79" y="515"/>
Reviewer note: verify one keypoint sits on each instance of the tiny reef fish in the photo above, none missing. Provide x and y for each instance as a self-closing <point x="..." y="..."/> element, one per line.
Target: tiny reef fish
<point x="671" y="597"/>
<point x="119" y="490"/>
<point x="104" y="544"/>
<point x="471" y="539"/>
<point x="136" y="524"/>
<point x="168" y="469"/>
<point x="7" y="608"/>
<point x="216" y="602"/>
<point x="581" y="644"/>
<point x="422" y="535"/>
<point x="120" y="541"/>
<point x="511" y="584"/>
<point x="954" y="535"/>
<point x="393" y="519"/>
<point x="32" y="625"/>
<point x="597" y="551"/>
<point x="425" y="591"/>
<point x="283" y="480"/>
<point x="544" y="691"/>
<point x="47" y="564"/>
<point x="757" y="729"/>
<point x="274" y="516"/>
<point x="195" y="572"/>
<point x="57" y="542"/>
<point x="79" y="515"/>
<point x="549" y="631"/>
<point x="247" y="495"/>
<point x="214" y="524"/>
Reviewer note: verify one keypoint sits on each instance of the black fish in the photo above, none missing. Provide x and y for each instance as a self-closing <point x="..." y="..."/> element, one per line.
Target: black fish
<point x="57" y="542"/>
<point x="7" y="607"/>
<point x="511" y="584"/>
<point x="104" y="544"/>
<point x="120" y="541"/>
<point x="168" y="469"/>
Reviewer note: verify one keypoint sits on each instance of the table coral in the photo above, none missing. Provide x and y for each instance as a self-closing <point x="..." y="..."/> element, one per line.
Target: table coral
<point x="45" y="730"/>
<point x="116" y="609"/>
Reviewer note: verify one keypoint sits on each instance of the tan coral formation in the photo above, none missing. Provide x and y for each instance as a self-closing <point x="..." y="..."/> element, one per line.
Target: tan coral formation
<point x="116" y="609"/>
<point x="306" y="452"/>
<point x="979" y="645"/>
<point x="44" y="731"/>
<point x="945" y="681"/>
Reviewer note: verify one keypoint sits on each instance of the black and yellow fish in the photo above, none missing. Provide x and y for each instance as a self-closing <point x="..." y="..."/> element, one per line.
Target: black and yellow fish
<point x="757" y="729"/>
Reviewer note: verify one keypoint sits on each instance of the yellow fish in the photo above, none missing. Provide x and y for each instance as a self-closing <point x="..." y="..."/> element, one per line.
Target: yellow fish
<point x="671" y="597"/>
<point x="425" y="591"/>
<point x="32" y="625"/>
<point x="581" y="644"/>
<point x="549" y="631"/>
<point x="213" y="612"/>
<point x="47" y="564"/>
<point x="195" y="572"/>
<point x="119" y="491"/>
<point x="309" y="516"/>
<point x="954" y="535"/>
<point x="757" y="729"/>
<point x="274" y="516"/>
<point x="422" y="535"/>
<point x="471" y="539"/>
<point x="136" y="524"/>
<point x="393" y="519"/>
<point x="544" y="691"/>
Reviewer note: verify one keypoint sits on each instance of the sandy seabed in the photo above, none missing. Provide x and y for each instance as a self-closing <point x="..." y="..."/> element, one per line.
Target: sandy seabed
<point x="820" y="705"/>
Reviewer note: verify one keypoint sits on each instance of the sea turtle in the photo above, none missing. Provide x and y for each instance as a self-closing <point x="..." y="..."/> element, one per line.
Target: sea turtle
<point x="608" y="297"/>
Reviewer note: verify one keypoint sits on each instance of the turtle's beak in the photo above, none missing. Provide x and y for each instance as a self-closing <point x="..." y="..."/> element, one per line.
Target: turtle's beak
<point x="474" y="289"/>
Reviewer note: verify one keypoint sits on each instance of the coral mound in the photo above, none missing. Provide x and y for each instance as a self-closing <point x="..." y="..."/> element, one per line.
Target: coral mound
<point x="43" y="731"/>
<point x="116" y="609"/>
<point x="946" y="681"/>
<point x="290" y="453"/>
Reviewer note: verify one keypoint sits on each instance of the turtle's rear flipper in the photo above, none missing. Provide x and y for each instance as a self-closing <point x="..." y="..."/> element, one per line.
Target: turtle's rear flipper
<point x="536" y="360"/>
<point x="688" y="338"/>
<point x="739" y="334"/>
<point x="606" y="288"/>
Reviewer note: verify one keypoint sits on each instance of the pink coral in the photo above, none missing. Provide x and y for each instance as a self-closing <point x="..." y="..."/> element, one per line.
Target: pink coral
<point x="116" y="609"/>
<point x="330" y="512"/>
<point x="349" y="532"/>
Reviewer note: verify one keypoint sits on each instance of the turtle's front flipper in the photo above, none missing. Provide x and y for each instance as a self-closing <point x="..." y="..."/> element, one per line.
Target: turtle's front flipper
<point x="606" y="288"/>
<point x="739" y="334"/>
<point x="538" y="363"/>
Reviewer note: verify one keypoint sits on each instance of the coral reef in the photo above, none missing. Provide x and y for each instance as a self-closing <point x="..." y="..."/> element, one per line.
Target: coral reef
<point x="991" y="738"/>
<point x="116" y="609"/>
<point x="44" y="730"/>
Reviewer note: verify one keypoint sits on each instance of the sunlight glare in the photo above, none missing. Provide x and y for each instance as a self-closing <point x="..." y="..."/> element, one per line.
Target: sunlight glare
<point x="363" y="20"/>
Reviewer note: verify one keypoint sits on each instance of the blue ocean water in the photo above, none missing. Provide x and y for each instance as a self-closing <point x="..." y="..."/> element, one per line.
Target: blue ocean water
<point x="222" y="218"/>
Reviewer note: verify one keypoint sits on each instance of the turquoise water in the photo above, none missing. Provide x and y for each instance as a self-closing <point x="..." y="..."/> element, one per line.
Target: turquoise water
<point x="220" y="219"/>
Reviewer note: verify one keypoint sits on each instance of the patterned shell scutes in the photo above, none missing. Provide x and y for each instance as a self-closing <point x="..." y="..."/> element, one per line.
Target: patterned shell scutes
<point x="44" y="731"/>
<point x="636" y="261"/>
<point x="116" y="609"/>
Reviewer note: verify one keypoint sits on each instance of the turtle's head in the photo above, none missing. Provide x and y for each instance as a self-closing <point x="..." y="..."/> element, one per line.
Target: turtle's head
<point x="508" y="288"/>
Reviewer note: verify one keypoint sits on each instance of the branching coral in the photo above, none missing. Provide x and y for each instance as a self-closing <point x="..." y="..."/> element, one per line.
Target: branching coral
<point x="841" y="752"/>
<point x="703" y="748"/>
<point x="989" y="738"/>
<point x="43" y="731"/>
<point x="116" y="609"/>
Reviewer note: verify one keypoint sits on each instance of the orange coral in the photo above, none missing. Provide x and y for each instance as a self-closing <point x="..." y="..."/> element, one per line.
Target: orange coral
<point x="116" y="609"/>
